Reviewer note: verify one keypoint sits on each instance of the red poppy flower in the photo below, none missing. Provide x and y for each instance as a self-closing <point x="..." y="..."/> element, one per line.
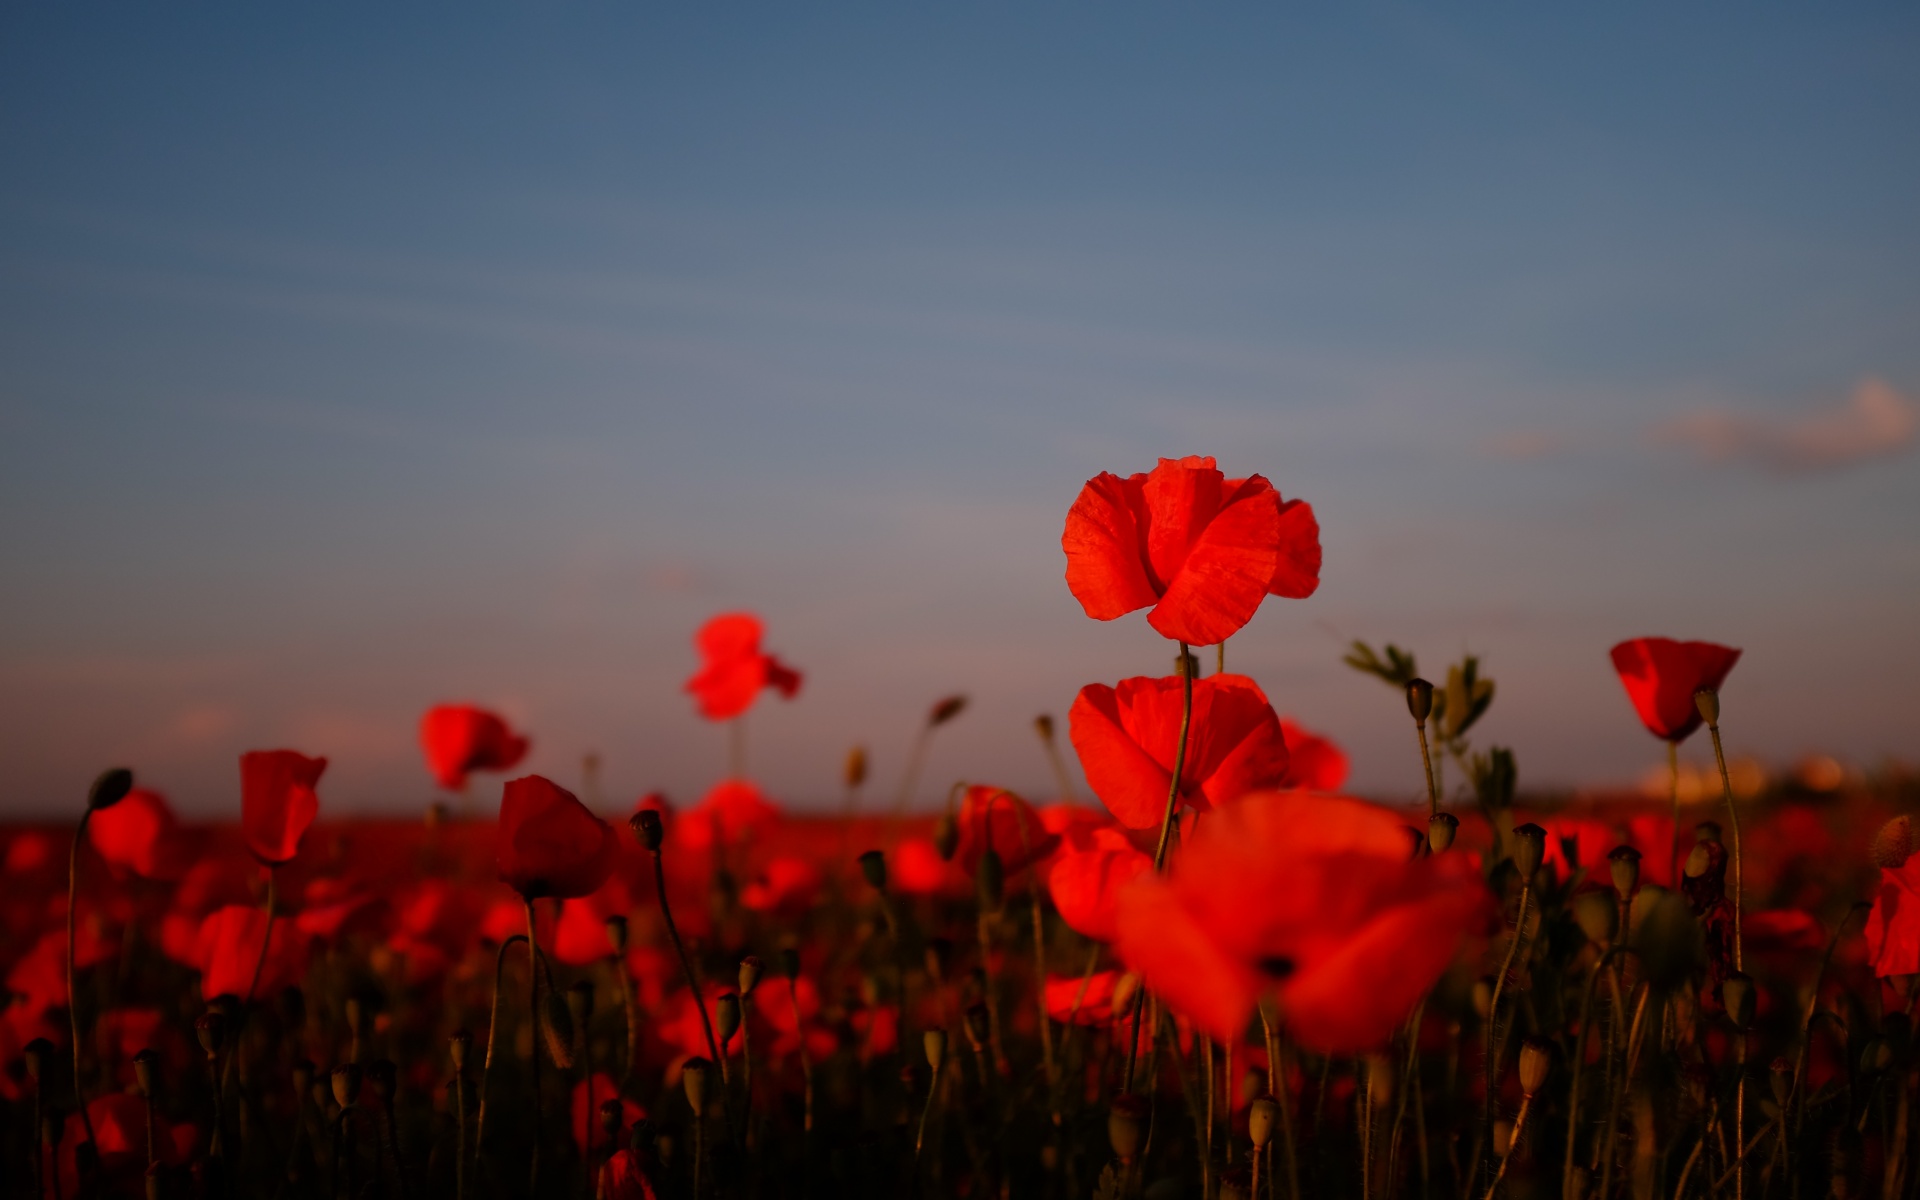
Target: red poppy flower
<point x="1126" y="738"/>
<point x="277" y="802"/>
<point x="626" y="1177"/>
<point x="1201" y="549"/>
<point x="1314" y="763"/>
<point x="915" y="868"/>
<point x="140" y="834"/>
<point x="550" y="845"/>
<point x="1661" y="676"/>
<point x="994" y="816"/>
<point x="120" y="1129"/>
<point x="732" y="812"/>
<point x="227" y="946"/>
<point x="1893" y="927"/>
<point x="1085" y="883"/>
<point x="580" y="936"/>
<point x="1315" y="898"/>
<point x="459" y="738"/>
<point x="733" y="669"/>
<point x="786" y="885"/>
<point x="1106" y="993"/>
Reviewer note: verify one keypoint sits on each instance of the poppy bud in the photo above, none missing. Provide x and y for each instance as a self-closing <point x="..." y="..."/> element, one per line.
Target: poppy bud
<point x="1529" y="847"/>
<point x="1708" y="702"/>
<point x="693" y="1078"/>
<point x="1736" y="992"/>
<point x="1441" y="828"/>
<point x="1483" y="996"/>
<point x="580" y="1004"/>
<point x="790" y="963"/>
<point x="611" y="1118"/>
<point x="1536" y="1061"/>
<point x="648" y="828"/>
<point x="1893" y="845"/>
<point x="1420" y="700"/>
<point x="211" y="1029"/>
<point x="934" y="1043"/>
<point x="946" y="836"/>
<point x="617" y="935"/>
<point x="146" y="1065"/>
<point x="750" y="968"/>
<point x="1707" y="831"/>
<point x="1780" y="1076"/>
<point x="384" y="1078"/>
<point x="38" y="1053"/>
<point x="946" y="710"/>
<point x="1624" y="862"/>
<point x="855" y="772"/>
<point x="1598" y="916"/>
<point x="1043" y="725"/>
<point x="1127" y="1126"/>
<point x="990" y="878"/>
<point x="1698" y="860"/>
<point x="873" y="865"/>
<point x="726" y="1017"/>
<point x="346" y="1085"/>
<point x="1261" y="1116"/>
<point x="976" y="1026"/>
<point x="110" y="789"/>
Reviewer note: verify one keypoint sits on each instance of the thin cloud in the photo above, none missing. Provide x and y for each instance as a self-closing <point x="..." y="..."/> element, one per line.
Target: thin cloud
<point x="1876" y="422"/>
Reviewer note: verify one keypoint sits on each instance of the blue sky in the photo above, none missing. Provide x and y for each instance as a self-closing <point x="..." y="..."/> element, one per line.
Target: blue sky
<point x="356" y="359"/>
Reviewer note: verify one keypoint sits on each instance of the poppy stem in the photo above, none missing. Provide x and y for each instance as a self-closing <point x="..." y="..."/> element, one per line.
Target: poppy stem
<point x="533" y="1047"/>
<point x="266" y="939"/>
<point x="1426" y="762"/>
<point x="1580" y="1061"/>
<point x="686" y="964"/>
<point x="1733" y="819"/>
<point x="493" y="1031"/>
<point x="1673" y="794"/>
<point x="1496" y="1045"/>
<point x="806" y="1060"/>
<point x="73" y="995"/>
<point x="1513" y="1143"/>
<point x="1277" y="1084"/>
<point x="632" y="1012"/>
<point x="1179" y="758"/>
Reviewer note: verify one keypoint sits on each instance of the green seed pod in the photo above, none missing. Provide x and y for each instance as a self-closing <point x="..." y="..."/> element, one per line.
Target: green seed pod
<point x="750" y="969"/>
<point x="1262" y="1115"/>
<point x="648" y="828"/>
<point x="1127" y="1126"/>
<point x="1536" y="1063"/>
<point x="1420" y="700"/>
<point x="1441" y="830"/>
<point x="1624" y="863"/>
<point x="1708" y="702"/>
<point x="934" y="1043"/>
<point x="1737" y="992"/>
<point x="726" y="1017"/>
<point x="873" y="865"/>
<point x="1529" y="848"/>
<point x="694" y="1077"/>
<point x="1698" y="860"/>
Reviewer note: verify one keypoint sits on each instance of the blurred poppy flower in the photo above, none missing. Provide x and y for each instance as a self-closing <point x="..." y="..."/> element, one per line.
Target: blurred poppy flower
<point x="733" y="670"/>
<point x="1126" y="737"/>
<point x="991" y="816"/>
<point x="1104" y="997"/>
<point x="786" y="885"/>
<point x="625" y="1177"/>
<point x="335" y="907"/>
<point x="1201" y="549"/>
<point x="1661" y="676"/>
<point x="550" y="845"/>
<point x="1314" y="763"/>
<point x="733" y="811"/>
<point x="140" y="834"/>
<point x="277" y="802"/>
<point x="580" y="936"/>
<point x="460" y="738"/>
<point x="1314" y="898"/>
<point x="915" y="868"/>
<point x="227" y="948"/>
<point x="120" y="1128"/>
<point x="38" y="978"/>
<point x="1085" y="883"/>
<point x="1893" y="926"/>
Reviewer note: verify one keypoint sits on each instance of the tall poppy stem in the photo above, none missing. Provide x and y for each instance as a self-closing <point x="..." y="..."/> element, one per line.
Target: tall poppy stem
<point x="1673" y="794"/>
<point x="1733" y="819"/>
<point x="533" y="1048"/>
<point x="1179" y="759"/>
<point x="266" y="939"/>
<point x="493" y="1031"/>
<point x="73" y="995"/>
<point x="1426" y="762"/>
<point x="1496" y="1045"/>
<point x="680" y="948"/>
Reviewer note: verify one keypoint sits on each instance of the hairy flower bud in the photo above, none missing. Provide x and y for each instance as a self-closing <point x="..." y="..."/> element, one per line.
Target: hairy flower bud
<point x="648" y="828"/>
<point x="726" y="1017"/>
<point x="1420" y="700"/>
<point x="934" y="1043"/>
<point x="1708" y="702"/>
<point x="873" y="865"/>
<point x="1624" y="863"/>
<point x="617" y="935"/>
<point x="1529" y="847"/>
<point x="1893" y="845"/>
<point x="1043" y="725"/>
<point x="1262" y="1115"/>
<point x="790" y="963"/>
<point x="946" y="836"/>
<point x="1536" y="1062"/>
<point x="1442" y="827"/>
<point x="1127" y="1126"/>
<point x="750" y="970"/>
<point x="110" y="788"/>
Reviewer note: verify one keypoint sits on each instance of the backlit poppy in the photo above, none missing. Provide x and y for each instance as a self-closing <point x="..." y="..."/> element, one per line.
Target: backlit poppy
<point x="1314" y="763"/>
<point x="1315" y="899"/>
<point x="994" y="816"/>
<point x="227" y="948"/>
<point x="733" y="669"/>
<point x="1893" y="927"/>
<point x="1105" y="994"/>
<point x="1126" y="737"/>
<point x="277" y="802"/>
<point x="1661" y="676"/>
<point x="1201" y="549"/>
<point x="460" y="738"/>
<point x="1084" y="883"/>
<point x="727" y="815"/>
<point x="550" y="845"/>
<point x="140" y="834"/>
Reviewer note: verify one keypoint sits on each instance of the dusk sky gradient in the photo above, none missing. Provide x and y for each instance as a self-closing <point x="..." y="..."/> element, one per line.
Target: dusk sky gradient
<point x="357" y="358"/>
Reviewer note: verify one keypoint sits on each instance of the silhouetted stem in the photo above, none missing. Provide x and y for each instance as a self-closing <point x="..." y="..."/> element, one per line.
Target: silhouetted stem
<point x="686" y="964"/>
<point x="1426" y="762"/>
<point x="1513" y="1143"/>
<point x="806" y="1060"/>
<point x="1496" y="1046"/>
<point x="533" y="1047"/>
<point x="1580" y="1063"/>
<point x="1673" y="794"/>
<point x="266" y="939"/>
<point x="73" y="995"/>
<point x="1733" y="819"/>
<point x="1166" y="831"/>
<point x="493" y="1031"/>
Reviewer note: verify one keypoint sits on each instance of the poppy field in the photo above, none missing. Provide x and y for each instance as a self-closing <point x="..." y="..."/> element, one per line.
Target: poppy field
<point x="1217" y="975"/>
